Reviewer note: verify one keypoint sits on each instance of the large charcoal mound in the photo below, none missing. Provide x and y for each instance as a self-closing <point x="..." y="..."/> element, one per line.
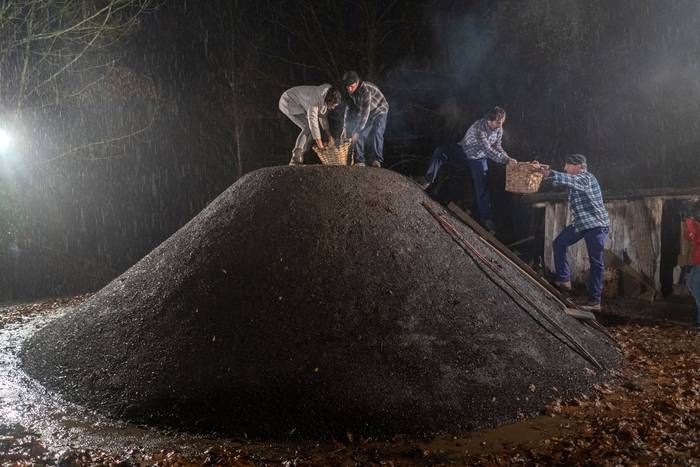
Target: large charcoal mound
<point x="315" y="298"/>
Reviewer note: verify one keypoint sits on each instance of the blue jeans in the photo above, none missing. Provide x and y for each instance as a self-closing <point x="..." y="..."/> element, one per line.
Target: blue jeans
<point x="693" y="283"/>
<point x="479" y="169"/>
<point x="595" y="245"/>
<point x="371" y="141"/>
<point x="451" y="152"/>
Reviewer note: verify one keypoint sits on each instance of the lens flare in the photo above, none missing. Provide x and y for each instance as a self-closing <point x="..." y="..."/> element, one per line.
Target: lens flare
<point x="5" y="140"/>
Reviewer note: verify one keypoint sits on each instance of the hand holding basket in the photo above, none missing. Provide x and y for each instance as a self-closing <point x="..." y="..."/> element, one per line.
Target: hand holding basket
<point x="524" y="177"/>
<point x="334" y="155"/>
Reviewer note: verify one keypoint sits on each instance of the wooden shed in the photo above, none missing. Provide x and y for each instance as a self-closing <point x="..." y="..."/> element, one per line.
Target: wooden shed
<point x="644" y="241"/>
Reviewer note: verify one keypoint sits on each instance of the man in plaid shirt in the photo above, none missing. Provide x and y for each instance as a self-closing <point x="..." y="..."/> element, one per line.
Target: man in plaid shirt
<point x="481" y="142"/>
<point x="589" y="220"/>
<point x="368" y="110"/>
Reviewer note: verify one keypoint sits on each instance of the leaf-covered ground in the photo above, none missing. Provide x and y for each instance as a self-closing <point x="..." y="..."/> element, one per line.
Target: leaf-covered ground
<point x="650" y="414"/>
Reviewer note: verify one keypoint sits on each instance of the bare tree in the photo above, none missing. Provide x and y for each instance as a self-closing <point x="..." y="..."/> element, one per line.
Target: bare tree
<point x="347" y="34"/>
<point x="53" y="53"/>
<point x="58" y="67"/>
<point x="46" y="42"/>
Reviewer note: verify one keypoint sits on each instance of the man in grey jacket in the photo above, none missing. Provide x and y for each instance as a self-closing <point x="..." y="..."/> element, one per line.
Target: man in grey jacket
<point x="306" y="106"/>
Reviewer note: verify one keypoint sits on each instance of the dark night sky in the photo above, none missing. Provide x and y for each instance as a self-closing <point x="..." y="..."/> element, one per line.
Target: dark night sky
<point x="196" y="87"/>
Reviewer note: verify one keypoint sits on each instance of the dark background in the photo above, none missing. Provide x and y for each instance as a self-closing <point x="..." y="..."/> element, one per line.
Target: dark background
<point x="159" y="120"/>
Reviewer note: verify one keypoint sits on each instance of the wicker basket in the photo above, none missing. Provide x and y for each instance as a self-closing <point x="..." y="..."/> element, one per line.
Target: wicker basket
<point x="334" y="155"/>
<point x="524" y="177"/>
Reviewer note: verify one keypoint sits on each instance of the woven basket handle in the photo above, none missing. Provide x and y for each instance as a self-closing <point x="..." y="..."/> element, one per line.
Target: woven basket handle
<point x="541" y="166"/>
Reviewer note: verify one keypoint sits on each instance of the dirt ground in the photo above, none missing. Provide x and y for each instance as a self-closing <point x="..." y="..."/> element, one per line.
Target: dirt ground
<point x="650" y="414"/>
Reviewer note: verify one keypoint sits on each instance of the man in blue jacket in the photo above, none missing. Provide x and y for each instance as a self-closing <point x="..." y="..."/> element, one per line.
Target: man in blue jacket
<point x="589" y="221"/>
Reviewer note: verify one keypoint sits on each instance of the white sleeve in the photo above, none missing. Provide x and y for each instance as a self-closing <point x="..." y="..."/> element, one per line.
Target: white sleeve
<point x="312" y="115"/>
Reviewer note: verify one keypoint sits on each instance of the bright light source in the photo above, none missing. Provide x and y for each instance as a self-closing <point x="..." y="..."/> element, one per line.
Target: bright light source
<point x="5" y="140"/>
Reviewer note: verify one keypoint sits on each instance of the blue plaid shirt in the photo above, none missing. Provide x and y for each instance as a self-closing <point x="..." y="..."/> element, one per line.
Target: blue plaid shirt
<point x="481" y="141"/>
<point x="585" y="199"/>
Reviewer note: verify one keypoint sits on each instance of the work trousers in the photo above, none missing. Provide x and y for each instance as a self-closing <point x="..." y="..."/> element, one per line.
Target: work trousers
<point x="297" y="114"/>
<point x="371" y="140"/>
<point x="595" y="245"/>
<point x="479" y="169"/>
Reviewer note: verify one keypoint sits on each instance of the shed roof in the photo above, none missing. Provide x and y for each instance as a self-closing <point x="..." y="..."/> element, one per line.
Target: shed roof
<point x="553" y="195"/>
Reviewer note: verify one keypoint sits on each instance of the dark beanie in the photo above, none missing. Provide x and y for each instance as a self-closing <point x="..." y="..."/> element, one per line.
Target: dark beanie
<point x="576" y="159"/>
<point x="350" y="77"/>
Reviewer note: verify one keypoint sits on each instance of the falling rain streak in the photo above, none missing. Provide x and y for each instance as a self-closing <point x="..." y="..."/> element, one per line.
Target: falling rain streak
<point x="111" y="145"/>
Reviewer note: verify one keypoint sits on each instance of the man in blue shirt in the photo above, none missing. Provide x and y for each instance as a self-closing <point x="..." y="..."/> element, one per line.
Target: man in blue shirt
<point x="589" y="220"/>
<point x="481" y="142"/>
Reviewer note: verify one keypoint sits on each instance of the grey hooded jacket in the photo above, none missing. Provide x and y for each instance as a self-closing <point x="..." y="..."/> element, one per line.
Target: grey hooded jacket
<point x="307" y="100"/>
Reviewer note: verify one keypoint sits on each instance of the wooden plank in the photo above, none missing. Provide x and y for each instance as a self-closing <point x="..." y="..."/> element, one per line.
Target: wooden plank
<point x="520" y="242"/>
<point x="513" y="291"/>
<point x="501" y="248"/>
<point x="555" y="218"/>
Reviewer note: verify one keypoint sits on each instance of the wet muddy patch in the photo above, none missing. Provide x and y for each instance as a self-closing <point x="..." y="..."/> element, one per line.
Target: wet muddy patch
<point x="29" y="413"/>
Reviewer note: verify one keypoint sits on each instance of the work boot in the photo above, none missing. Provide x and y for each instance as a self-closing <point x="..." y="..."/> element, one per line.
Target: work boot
<point x="297" y="157"/>
<point x="376" y="164"/>
<point x="591" y="307"/>
<point x="564" y="286"/>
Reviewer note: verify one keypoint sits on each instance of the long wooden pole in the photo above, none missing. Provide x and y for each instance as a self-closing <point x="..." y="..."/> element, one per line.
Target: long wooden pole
<point x="503" y="250"/>
<point x="568" y="339"/>
<point x="570" y="307"/>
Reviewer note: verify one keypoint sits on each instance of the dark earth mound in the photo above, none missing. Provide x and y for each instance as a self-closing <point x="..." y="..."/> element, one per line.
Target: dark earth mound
<point x="313" y="299"/>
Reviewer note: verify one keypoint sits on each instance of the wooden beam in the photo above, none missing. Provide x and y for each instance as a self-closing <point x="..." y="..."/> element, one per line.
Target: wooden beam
<point x="520" y="242"/>
<point x="503" y="250"/>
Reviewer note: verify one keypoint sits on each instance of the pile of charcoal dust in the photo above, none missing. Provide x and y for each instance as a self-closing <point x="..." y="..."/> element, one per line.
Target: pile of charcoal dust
<point x="317" y="299"/>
